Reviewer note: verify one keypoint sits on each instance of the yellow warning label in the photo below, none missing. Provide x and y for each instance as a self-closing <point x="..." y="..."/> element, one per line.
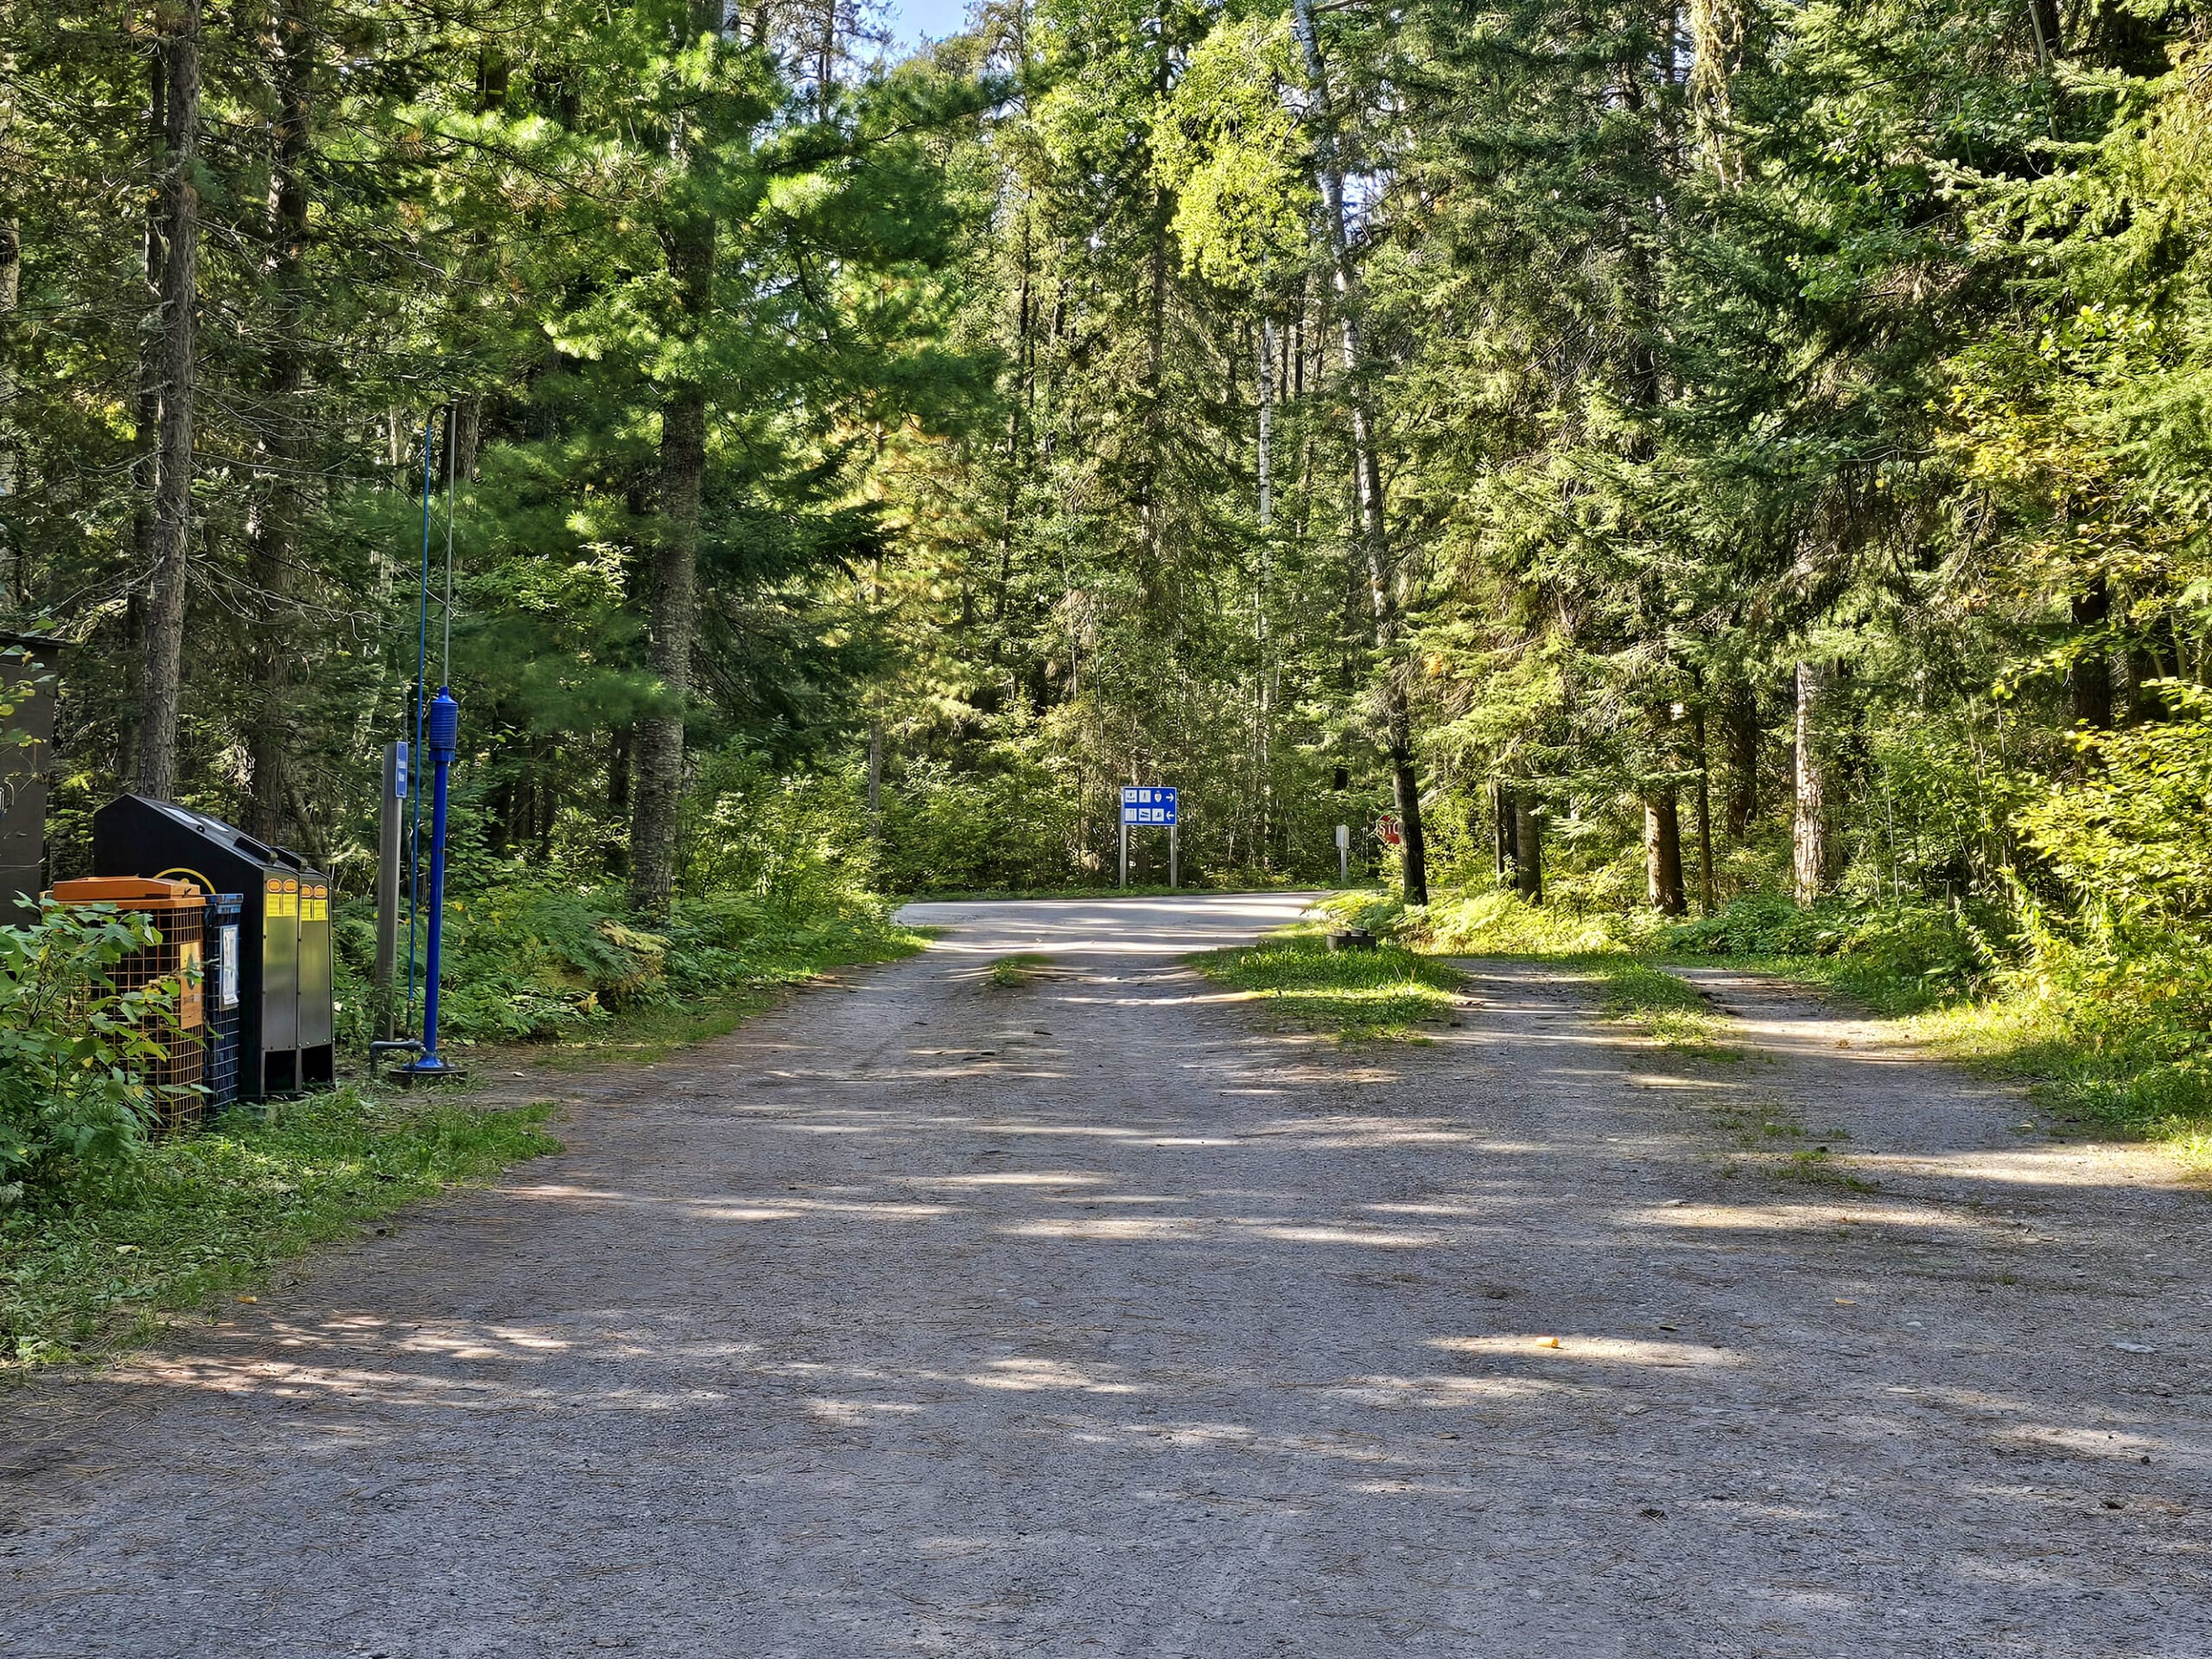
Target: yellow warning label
<point x="284" y="905"/>
<point x="315" y="910"/>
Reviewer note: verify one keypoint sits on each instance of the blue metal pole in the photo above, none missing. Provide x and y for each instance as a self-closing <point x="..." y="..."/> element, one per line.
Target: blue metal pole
<point x="421" y="692"/>
<point x="444" y="738"/>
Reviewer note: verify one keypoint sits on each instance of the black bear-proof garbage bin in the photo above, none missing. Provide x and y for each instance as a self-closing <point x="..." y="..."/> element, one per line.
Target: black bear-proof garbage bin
<point x="285" y="1026"/>
<point x="221" y="997"/>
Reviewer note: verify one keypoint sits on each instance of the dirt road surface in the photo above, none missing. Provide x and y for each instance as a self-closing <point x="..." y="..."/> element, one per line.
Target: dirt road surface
<point x="1093" y="1318"/>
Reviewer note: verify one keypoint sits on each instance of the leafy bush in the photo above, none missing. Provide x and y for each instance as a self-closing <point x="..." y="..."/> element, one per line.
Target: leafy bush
<point x="2132" y="845"/>
<point x="1914" y="940"/>
<point x="73" y="1049"/>
<point x="947" y="832"/>
<point x="529" y="963"/>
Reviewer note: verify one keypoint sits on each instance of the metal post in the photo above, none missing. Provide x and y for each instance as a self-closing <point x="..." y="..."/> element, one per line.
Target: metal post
<point x="444" y="734"/>
<point x="1343" y="854"/>
<point x="391" y="819"/>
<point x="1172" y="882"/>
<point x="1125" y="852"/>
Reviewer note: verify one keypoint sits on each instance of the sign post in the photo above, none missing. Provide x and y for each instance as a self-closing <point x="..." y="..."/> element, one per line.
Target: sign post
<point x="392" y="821"/>
<point x="1145" y="804"/>
<point x="1343" y="854"/>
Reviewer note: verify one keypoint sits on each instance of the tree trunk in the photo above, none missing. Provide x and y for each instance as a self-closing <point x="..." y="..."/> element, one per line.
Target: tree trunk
<point x="162" y="671"/>
<point x="145" y="441"/>
<point x="468" y="437"/>
<point x="675" y="615"/>
<point x="689" y="237"/>
<point x="1662" y="852"/>
<point x="1149" y="505"/>
<point x="1502" y="823"/>
<point x="1708" y="899"/>
<point x="1267" y="422"/>
<point x="2090" y="680"/>
<point x="1395" y="708"/>
<point x="274" y="542"/>
<point x="1527" y="850"/>
<point x="1810" y="825"/>
<point x="875" y="777"/>
<point x="12" y="583"/>
<point x="1743" y="735"/>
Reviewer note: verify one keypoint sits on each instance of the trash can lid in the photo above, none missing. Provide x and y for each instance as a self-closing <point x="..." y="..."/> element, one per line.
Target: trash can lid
<point x="132" y="891"/>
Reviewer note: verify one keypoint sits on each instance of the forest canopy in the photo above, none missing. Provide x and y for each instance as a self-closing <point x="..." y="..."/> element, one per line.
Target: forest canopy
<point x="1662" y="454"/>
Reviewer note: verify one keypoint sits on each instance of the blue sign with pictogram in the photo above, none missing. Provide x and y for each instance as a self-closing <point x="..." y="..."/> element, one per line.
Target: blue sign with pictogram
<point x="1147" y="803"/>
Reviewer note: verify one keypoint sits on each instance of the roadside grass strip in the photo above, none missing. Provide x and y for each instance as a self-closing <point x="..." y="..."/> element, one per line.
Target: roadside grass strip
<point x="1356" y="996"/>
<point x="1669" y="1010"/>
<point x="1012" y="973"/>
<point x="201" y="1219"/>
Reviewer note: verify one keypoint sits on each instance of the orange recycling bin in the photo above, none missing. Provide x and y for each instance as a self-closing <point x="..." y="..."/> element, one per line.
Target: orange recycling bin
<point x="178" y="911"/>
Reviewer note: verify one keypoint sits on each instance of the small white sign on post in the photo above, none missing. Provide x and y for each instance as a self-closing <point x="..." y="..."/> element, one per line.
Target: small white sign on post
<point x="1343" y="854"/>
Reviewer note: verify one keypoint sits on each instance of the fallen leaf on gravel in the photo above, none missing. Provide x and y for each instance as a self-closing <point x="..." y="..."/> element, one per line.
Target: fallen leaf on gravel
<point x="1547" y="1342"/>
<point x="2133" y="1348"/>
<point x="1845" y="1301"/>
<point x="248" y="1298"/>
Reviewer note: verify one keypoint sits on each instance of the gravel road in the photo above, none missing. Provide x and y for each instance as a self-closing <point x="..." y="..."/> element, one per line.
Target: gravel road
<point x="928" y="1317"/>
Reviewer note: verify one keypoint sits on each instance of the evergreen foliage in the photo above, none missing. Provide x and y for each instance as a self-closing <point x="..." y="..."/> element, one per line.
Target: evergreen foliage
<point x="1694" y="459"/>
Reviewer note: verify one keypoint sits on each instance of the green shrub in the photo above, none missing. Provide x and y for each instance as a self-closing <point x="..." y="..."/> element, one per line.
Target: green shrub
<point x="1912" y="940"/>
<point x="528" y="963"/>
<point x="73" y="1049"/>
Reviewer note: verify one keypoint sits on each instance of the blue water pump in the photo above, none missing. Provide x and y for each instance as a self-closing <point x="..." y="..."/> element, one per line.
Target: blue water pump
<point x="443" y="739"/>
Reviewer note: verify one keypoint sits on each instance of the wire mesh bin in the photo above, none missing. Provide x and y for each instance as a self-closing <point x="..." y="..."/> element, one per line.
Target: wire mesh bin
<point x="178" y="913"/>
<point x="219" y="996"/>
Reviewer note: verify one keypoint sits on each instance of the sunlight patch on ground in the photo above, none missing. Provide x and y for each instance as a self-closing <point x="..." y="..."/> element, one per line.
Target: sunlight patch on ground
<point x="1609" y="1351"/>
<point x="1026" y="1376"/>
<point x="1441" y="1393"/>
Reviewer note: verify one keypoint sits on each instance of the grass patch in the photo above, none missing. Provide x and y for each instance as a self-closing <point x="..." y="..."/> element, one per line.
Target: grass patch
<point x="642" y="1036"/>
<point x="2153" y="1088"/>
<point x="1816" y="1166"/>
<point x="1354" y="995"/>
<point x="201" y="1218"/>
<point x="1671" y="1012"/>
<point x="1012" y="973"/>
<point x="2095" y="1056"/>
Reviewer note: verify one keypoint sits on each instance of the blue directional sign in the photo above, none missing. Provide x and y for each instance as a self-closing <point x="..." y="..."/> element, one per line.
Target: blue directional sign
<point x="1147" y="803"/>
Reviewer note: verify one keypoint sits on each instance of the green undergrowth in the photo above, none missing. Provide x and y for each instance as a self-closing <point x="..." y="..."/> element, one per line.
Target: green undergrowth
<point x="1040" y="895"/>
<point x="2106" y="1042"/>
<point x="198" y="1220"/>
<point x="563" y="964"/>
<point x="1300" y="984"/>
<point x="1011" y="973"/>
<point x="1666" y="1008"/>
<point x="1596" y="949"/>
<point x="641" y="1036"/>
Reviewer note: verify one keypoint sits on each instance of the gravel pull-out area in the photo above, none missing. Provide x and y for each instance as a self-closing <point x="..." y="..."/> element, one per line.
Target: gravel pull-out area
<point x="1090" y="1316"/>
